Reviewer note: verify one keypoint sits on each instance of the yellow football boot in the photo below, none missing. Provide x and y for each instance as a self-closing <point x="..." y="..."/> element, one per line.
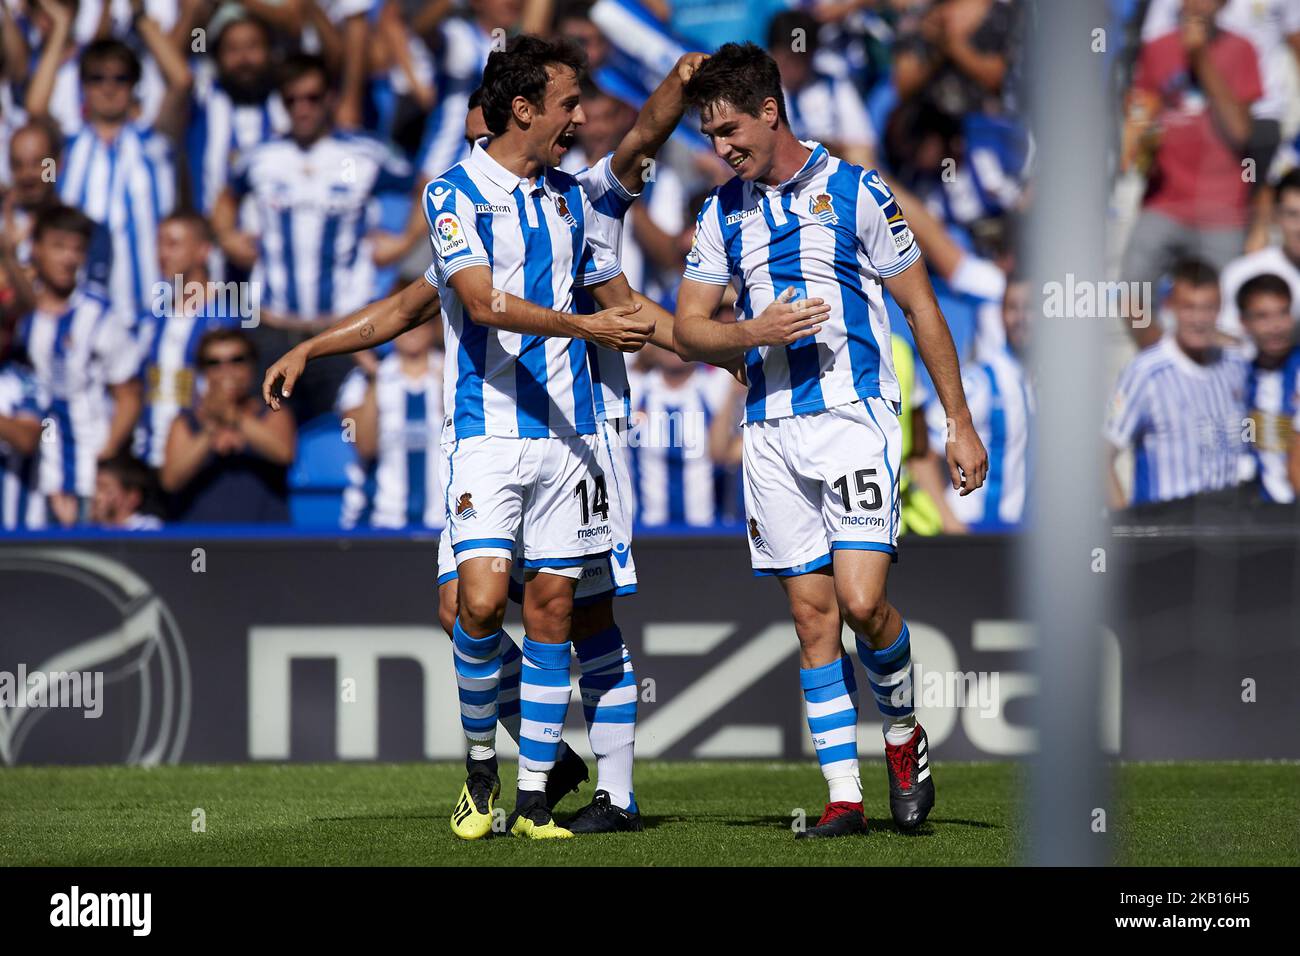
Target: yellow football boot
<point x="472" y="817"/>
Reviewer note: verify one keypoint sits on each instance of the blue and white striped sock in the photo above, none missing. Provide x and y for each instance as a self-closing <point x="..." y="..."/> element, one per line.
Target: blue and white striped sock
<point x="830" y="693"/>
<point x="478" y="678"/>
<point x="889" y="671"/>
<point x="512" y="662"/>
<point x="543" y="702"/>
<point x="609" y="694"/>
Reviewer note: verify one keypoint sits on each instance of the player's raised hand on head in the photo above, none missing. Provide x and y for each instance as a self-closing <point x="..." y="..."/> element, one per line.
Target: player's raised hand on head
<point x="281" y="377"/>
<point x="688" y="64"/>
<point x="968" y="462"/>
<point x="621" y="328"/>
<point x="787" y="320"/>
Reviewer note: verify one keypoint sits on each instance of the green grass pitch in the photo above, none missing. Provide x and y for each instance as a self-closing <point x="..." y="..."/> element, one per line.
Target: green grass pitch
<point x="696" y="814"/>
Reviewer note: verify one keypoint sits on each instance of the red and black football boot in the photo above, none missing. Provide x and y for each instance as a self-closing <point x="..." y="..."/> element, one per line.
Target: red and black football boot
<point x="911" y="788"/>
<point x="839" y="819"/>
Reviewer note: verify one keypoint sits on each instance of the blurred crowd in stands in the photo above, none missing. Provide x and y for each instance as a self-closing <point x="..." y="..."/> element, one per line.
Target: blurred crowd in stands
<point x="191" y="187"/>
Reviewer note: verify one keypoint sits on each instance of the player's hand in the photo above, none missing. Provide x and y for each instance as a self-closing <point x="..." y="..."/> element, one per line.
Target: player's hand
<point x="619" y="328"/>
<point x="688" y="64"/>
<point x="968" y="462"/>
<point x="786" y="320"/>
<point x="281" y="377"/>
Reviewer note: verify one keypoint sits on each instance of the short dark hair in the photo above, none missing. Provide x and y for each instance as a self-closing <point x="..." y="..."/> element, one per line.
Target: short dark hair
<point x="246" y="18"/>
<point x="192" y="218"/>
<point x="1288" y="182"/>
<point x="1266" y="284"/>
<point x="520" y="70"/>
<point x="298" y="65"/>
<point x="741" y="75"/>
<point x="63" y="219"/>
<point x="225" y="334"/>
<point x="108" y="48"/>
<point x="782" y="27"/>
<point x="475" y="99"/>
<point x="1195" y="272"/>
<point x="130" y="472"/>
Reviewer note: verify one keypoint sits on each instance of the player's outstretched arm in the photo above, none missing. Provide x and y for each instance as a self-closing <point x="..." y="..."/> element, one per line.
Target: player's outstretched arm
<point x="654" y="124"/>
<point x="371" y="325"/>
<point x="697" y="338"/>
<point x="617" y="326"/>
<point x="968" y="462"/>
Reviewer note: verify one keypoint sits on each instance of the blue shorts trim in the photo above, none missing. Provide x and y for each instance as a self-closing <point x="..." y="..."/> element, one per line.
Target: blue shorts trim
<point x="449" y="576"/>
<point x="807" y="567"/>
<point x="574" y="562"/>
<point x="466" y="545"/>
<point x="888" y="549"/>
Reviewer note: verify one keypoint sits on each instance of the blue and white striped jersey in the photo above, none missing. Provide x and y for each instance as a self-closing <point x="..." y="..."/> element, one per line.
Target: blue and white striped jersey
<point x="669" y="440"/>
<point x="21" y="504"/>
<point x="169" y="352"/>
<point x="541" y="239"/>
<point x="831" y="231"/>
<point x="1183" y="421"/>
<point x="220" y="131"/>
<point x="313" y="209"/>
<point x="76" y="355"/>
<point x="1273" y="404"/>
<point x="610" y="202"/>
<point x="407" y="493"/>
<point x="127" y="185"/>
<point x="1001" y="405"/>
<point x="459" y="70"/>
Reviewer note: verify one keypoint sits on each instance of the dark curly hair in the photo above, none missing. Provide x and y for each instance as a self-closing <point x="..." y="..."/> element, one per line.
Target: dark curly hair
<point x="741" y="75"/>
<point x="520" y="70"/>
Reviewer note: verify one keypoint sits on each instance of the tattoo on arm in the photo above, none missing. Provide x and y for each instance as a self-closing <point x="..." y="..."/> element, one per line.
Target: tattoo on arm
<point x="367" y="331"/>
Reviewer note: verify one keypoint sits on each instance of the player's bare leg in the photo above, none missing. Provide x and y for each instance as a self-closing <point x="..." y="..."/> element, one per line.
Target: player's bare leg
<point x="830" y="694"/>
<point x="885" y="651"/>
<point x="544" y="696"/>
<point x="476" y="636"/>
<point x="609" y="699"/>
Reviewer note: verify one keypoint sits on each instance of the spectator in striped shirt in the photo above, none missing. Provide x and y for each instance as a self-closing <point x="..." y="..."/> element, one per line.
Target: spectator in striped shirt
<point x="85" y="358"/>
<point x="1272" y="384"/>
<point x="234" y="107"/>
<point x="675" y="404"/>
<point x="1001" y="401"/>
<point x="398" y="416"/>
<point x="33" y="151"/>
<point x="825" y="108"/>
<point x="312" y="191"/>
<point x="22" y="403"/>
<point x="117" y="169"/>
<point x="1180" y="404"/>
<point x="170" y="332"/>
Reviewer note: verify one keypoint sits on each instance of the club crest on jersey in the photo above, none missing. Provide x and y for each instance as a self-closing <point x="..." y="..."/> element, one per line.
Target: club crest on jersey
<point x="562" y="206"/>
<point x="450" y="234"/>
<point x="823" y="207"/>
<point x="465" y="506"/>
<point x="754" y="534"/>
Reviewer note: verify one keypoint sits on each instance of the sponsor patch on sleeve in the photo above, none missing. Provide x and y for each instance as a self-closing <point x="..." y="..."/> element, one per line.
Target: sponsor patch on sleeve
<point x="449" y="234"/>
